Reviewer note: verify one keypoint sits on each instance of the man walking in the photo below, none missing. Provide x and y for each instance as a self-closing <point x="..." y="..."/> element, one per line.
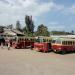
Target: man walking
<point x="8" y="45"/>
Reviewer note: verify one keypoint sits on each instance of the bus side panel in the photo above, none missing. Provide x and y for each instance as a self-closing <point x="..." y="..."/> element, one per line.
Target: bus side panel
<point x="63" y="48"/>
<point x="44" y="47"/>
<point x="68" y="48"/>
<point x="38" y="46"/>
<point x="56" y="47"/>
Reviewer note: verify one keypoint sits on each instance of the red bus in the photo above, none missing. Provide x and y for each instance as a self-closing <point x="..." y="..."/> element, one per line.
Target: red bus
<point x="23" y="42"/>
<point x="43" y="44"/>
<point x="63" y="45"/>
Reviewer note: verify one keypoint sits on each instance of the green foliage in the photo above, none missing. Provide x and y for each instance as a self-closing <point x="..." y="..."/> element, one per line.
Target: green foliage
<point x="29" y="29"/>
<point x="27" y="33"/>
<point x="10" y="26"/>
<point x="42" y="31"/>
<point x="25" y="30"/>
<point x="18" y="25"/>
<point x="60" y="33"/>
<point x="72" y="32"/>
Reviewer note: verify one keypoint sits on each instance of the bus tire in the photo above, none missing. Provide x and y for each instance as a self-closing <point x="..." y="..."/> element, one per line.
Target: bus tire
<point x="63" y="52"/>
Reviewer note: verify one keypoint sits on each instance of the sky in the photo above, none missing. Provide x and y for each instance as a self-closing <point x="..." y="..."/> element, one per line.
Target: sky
<point x="55" y="14"/>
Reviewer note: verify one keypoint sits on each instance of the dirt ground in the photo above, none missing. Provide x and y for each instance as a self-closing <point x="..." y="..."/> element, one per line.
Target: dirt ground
<point x="29" y="62"/>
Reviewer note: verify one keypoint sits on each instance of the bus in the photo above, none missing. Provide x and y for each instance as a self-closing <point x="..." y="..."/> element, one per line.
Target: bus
<point x="42" y="44"/>
<point x="23" y="42"/>
<point x="63" y="45"/>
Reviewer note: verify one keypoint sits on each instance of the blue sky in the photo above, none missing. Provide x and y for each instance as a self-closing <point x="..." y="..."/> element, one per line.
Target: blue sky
<point x="55" y="14"/>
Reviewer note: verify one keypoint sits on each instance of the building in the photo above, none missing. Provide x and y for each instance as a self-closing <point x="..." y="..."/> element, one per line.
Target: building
<point x="10" y="33"/>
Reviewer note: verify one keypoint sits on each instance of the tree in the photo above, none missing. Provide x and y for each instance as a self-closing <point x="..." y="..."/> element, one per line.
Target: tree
<point x="18" y="25"/>
<point x="72" y="32"/>
<point x="29" y="24"/>
<point x="60" y="33"/>
<point x="10" y="26"/>
<point x="42" y="31"/>
<point x="25" y="30"/>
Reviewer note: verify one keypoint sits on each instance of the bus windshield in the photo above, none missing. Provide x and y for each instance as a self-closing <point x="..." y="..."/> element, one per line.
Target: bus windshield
<point x="40" y="40"/>
<point x="56" y="41"/>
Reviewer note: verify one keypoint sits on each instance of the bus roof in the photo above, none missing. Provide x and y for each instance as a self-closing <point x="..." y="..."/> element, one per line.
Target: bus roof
<point x="64" y="39"/>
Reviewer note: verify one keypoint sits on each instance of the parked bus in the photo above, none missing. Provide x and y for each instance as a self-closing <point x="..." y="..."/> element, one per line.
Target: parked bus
<point x="23" y="42"/>
<point x="63" y="45"/>
<point x="43" y="44"/>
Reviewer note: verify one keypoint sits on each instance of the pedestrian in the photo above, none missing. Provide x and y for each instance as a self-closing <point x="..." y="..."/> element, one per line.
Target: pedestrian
<point x="8" y="45"/>
<point x="1" y="45"/>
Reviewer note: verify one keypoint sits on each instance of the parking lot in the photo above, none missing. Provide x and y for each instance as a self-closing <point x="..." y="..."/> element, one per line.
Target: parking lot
<point x="29" y="62"/>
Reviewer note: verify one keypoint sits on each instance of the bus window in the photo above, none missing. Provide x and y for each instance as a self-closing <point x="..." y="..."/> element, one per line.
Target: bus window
<point x="58" y="41"/>
<point x="37" y="40"/>
<point x="21" y="39"/>
<point x="63" y="42"/>
<point x="49" y="41"/>
<point x="31" y="39"/>
<point x="74" y="42"/>
<point x="69" y="42"/>
<point x="44" y="40"/>
<point x="53" y="41"/>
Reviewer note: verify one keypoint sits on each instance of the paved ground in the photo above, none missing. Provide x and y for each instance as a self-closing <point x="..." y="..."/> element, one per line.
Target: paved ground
<point x="28" y="62"/>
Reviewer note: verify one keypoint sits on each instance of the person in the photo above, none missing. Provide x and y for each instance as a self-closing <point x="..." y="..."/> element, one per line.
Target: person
<point x="8" y="45"/>
<point x="1" y="45"/>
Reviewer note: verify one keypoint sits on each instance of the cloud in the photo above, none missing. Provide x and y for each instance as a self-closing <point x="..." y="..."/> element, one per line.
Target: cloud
<point x="56" y="26"/>
<point x="54" y="23"/>
<point x="69" y="10"/>
<point x="16" y="9"/>
<point x="72" y="9"/>
<point x="4" y="1"/>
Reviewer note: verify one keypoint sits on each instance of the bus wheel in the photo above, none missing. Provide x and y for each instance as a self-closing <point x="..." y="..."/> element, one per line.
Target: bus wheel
<point x="45" y="51"/>
<point x="31" y="48"/>
<point x="63" y="52"/>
